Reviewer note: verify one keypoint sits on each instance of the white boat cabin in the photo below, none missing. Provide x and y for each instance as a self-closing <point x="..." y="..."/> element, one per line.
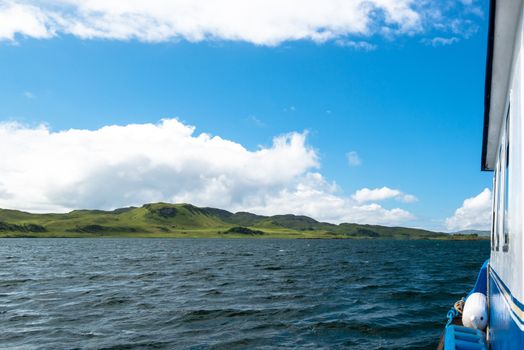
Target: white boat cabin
<point x="502" y="154"/>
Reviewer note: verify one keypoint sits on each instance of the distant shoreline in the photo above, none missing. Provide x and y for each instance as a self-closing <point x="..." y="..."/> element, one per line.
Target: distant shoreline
<point x="165" y="220"/>
<point x="318" y="236"/>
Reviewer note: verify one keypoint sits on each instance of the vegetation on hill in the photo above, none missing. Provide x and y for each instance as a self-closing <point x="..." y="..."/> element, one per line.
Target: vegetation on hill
<point x="243" y="231"/>
<point x="186" y="220"/>
<point x="480" y="233"/>
<point x="5" y="227"/>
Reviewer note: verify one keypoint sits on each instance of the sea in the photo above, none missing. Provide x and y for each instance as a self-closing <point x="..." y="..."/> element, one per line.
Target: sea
<point x="107" y="293"/>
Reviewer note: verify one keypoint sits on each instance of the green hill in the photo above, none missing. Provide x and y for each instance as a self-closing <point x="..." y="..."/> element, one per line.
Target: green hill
<point x="186" y="220"/>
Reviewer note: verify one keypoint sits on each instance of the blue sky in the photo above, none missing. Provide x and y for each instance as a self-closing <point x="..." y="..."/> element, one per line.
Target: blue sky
<point x="408" y="105"/>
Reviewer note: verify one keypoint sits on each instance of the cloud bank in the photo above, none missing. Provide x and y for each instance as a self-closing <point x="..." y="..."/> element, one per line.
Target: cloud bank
<point x="262" y="22"/>
<point x="117" y="166"/>
<point x="474" y="214"/>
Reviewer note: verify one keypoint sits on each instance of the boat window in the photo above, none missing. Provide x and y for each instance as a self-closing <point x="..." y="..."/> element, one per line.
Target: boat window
<point x="505" y="221"/>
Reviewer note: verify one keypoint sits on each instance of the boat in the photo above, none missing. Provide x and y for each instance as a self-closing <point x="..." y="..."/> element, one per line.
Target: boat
<point x="501" y="278"/>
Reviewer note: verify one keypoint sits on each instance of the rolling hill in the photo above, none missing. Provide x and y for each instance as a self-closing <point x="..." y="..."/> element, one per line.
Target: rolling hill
<point x="186" y="220"/>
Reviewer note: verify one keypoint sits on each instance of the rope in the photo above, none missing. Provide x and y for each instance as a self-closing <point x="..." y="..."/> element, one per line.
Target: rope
<point x="455" y="311"/>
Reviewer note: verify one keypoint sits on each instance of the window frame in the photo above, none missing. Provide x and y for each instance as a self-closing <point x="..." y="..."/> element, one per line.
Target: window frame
<point x="497" y="200"/>
<point x="506" y="167"/>
<point x="500" y="227"/>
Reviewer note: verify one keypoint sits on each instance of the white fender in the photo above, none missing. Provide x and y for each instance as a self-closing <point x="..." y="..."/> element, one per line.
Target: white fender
<point x="475" y="314"/>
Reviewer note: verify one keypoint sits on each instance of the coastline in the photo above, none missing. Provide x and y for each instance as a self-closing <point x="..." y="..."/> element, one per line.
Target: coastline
<point x="216" y="235"/>
<point x="166" y="220"/>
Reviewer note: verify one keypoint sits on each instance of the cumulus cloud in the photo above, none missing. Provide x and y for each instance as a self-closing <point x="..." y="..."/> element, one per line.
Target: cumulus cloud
<point x="474" y="214"/>
<point x="24" y="19"/>
<point x="312" y="195"/>
<point x="117" y="166"/>
<point x="262" y="22"/>
<point x="380" y="194"/>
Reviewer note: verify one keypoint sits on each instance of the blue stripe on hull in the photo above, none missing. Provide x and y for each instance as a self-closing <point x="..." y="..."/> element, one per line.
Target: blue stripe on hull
<point x="504" y="331"/>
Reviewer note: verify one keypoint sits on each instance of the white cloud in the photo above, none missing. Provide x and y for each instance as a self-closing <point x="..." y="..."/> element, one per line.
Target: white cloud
<point x="471" y="7"/>
<point x="116" y="166"/>
<point x="380" y="194"/>
<point x="439" y="41"/>
<point x="475" y="213"/>
<point x="312" y="195"/>
<point x="262" y="22"/>
<point x="353" y="159"/>
<point x="408" y="198"/>
<point x="24" y="19"/>
<point x="356" y="44"/>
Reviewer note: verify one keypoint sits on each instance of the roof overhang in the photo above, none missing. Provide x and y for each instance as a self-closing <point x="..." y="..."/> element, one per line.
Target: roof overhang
<point x="503" y="27"/>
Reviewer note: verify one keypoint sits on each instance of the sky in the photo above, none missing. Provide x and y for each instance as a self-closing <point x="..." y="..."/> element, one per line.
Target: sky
<point x="345" y="111"/>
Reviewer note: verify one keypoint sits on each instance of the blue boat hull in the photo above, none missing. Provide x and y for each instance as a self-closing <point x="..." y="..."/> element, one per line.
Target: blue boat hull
<point x="505" y="322"/>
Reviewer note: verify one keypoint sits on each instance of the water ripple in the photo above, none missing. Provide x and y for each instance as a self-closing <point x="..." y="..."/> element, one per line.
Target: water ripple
<point x="230" y="294"/>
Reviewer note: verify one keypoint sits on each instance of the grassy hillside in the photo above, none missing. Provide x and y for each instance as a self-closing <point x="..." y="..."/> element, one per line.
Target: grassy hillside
<point x="186" y="220"/>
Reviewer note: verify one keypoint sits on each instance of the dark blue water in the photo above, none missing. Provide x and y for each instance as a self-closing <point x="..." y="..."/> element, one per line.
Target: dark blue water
<point x="230" y="294"/>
